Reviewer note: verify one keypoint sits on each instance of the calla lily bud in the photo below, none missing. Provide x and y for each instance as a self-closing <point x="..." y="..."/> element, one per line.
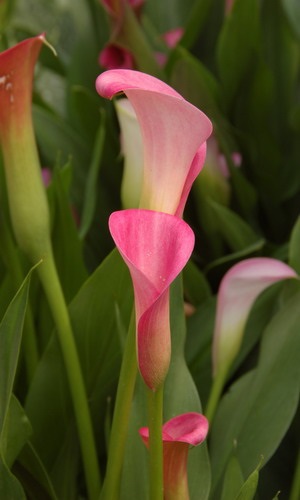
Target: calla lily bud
<point x="178" y="434"/>
<point x="132" y="149"/>
<point x="155" y="246"/>
<point x="238" y="290"/>
<point x="26" y="193"/>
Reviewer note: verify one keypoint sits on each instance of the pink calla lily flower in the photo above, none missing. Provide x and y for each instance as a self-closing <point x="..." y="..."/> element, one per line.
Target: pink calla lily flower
<point x="174" y="136"/>
<point x="239" y="288"/>
<point x="155" y="246"/>
<point x="26" y="194"/>
<point x="178" y="434"/>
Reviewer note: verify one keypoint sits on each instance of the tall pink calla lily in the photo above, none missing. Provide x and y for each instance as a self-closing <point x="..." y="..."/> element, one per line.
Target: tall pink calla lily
<point x="155" y="246"/>
<point x="174" y="134"/>
<point x="26" y="194"/>
<point x="178" y="434"/>
<point x="238" y="290"/>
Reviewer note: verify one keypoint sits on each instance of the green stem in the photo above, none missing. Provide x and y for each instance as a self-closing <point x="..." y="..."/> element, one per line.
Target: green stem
<point x="215" y="394"/>
<point x="295" y="488"/>
<point x="156" y="444"/>
<point x="121" y="416"/>
<point x="49" y="278"/>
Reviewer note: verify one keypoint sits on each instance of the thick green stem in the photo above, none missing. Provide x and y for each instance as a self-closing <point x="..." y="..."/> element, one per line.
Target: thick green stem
<point x="49" y="278"/>
<point x="215" y="394"/>
<point x="121" y="416"/>
<point x="156" y="444"/>
<point x="295" y="488"/>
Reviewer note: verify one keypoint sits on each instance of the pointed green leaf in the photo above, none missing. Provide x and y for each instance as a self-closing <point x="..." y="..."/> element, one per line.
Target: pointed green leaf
<point x="233" y="479"/>
<point x="9" y="485"/>
<point x="11" y="328"/>
<point x="248" y="490"/>
<point x="90" y="196"/>
<point x="237" y="45"/>
<point x="235" y="231"/>
<point x="33" y="475"/>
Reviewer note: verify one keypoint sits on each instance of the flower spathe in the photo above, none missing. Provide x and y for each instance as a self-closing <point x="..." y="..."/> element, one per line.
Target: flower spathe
<point x="238" y="290"/>
<point x="155" y="246"/>
<point x="26" y="194"/>
<point x="174" y="133"/>
<point x="178" y="434"/>
<point x="132" y="149"/>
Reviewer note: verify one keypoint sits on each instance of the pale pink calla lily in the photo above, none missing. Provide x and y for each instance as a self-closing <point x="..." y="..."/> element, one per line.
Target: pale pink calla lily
<point x="178" y="434"/>
<point x="174" y="134"/>
<point x="238" y="290"/>
<point x="155" y="246"/>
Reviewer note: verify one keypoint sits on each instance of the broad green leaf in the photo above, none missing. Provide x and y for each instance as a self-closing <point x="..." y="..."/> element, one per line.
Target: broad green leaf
<point x="238" y="45"/>
<point x="235" y="231"/>
<point x="11" y="328"/>
<point x="259" y="408"/>
<point x="198" y="346"/>
<point x="180" y="397"/>
<point x="294" y="247"/>
<point x="96" y="333"/>
<point x="233" y="479"/>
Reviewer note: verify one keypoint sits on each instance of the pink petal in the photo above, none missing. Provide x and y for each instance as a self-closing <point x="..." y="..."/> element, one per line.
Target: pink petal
<point x="156" y="247"/>
<point x="190" y="428"/>
<point x="239" y="288"/>
<point x="110" y="83"/>
<point x="173" y="130"/>
<point x="194" y="171"/>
